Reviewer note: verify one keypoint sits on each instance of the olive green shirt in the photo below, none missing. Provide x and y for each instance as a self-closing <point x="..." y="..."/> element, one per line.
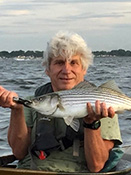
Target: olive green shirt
<point x="64" y="161"/>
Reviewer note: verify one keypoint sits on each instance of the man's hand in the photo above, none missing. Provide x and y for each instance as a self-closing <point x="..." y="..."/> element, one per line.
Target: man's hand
<point x="101" y="111"/>
<point x="6" y="99"/>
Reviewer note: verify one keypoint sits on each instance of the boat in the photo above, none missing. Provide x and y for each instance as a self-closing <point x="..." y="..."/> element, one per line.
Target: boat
<point x="122" y="168"/>
<point x="10" y="171"/>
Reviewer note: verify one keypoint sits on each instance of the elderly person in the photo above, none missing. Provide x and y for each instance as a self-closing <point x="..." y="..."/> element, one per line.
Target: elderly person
<point x="52" y="145"/>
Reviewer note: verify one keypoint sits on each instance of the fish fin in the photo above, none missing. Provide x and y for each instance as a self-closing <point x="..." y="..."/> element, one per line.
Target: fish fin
<point x="84" y="84"/>
<point x="60" y="106"/>
<point x="120" y="112"/>
<point x="68" y="120"/>
<point x="74" y="123"/>
<point x="111" y="84"/>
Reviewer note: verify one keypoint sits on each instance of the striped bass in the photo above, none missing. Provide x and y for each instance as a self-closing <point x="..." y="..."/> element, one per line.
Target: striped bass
<point x="71" y="104"/>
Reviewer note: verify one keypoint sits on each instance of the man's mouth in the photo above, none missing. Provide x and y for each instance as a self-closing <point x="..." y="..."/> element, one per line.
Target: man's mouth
<point x="66" y="79"/>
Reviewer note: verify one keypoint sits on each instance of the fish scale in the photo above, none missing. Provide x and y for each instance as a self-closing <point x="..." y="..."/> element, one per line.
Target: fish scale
<point x="71" y="104"/>
<point x="89" y="97"/>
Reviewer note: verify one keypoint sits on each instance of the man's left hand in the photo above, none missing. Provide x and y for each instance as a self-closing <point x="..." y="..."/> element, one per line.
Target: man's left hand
<point x="100" y="111"/>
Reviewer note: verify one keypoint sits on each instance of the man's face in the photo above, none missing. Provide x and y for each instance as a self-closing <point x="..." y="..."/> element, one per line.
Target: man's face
<point x="65" y="74"/>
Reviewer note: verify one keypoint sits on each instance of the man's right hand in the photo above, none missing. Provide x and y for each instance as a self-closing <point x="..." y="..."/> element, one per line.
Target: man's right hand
<point x="6" y="99"/>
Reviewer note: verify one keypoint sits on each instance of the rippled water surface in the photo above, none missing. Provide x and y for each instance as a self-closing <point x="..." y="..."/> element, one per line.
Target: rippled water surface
<point x="24" y="76"/>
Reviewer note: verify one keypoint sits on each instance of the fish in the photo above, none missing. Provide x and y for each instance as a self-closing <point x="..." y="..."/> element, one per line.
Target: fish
<point x="71" y="104"/>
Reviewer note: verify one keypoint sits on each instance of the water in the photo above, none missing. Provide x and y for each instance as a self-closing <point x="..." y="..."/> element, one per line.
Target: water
<point x="24" y="76"/>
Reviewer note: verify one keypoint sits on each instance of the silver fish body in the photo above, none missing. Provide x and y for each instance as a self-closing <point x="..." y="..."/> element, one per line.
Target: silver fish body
<point x="71" y="104"/>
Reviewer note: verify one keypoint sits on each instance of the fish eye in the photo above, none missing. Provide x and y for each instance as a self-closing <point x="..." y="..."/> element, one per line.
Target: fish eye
<point x="40" y="99"/>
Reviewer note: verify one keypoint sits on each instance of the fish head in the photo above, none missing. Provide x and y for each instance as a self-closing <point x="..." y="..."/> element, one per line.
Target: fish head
<point x="46" y="104"/>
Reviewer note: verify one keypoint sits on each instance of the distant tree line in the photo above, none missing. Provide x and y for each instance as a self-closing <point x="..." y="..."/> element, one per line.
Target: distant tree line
<point x="120" y="52"/>
<point x="20" y="53"/>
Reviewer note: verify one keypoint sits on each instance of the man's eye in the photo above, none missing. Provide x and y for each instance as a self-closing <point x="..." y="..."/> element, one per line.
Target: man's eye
<point x="73" y="62"/>
<point x="60" y="62"/>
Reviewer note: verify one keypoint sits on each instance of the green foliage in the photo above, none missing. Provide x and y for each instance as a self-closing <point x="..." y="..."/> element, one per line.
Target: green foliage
<point x="120" y="52"/>
<point x="4" y="54"/>
<point x="21" y="53"/>
<point x="35" y="54"/>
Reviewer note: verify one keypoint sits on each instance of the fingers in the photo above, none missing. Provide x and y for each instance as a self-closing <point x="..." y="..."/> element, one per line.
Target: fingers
<point x="1" y="88"/>
<point x="111" y="112"/>
<point x="100" y="111"/>
<point x="3" y="98"/>
<point x="91" y="114"/>
<point x="90" y="109"/>
<point x="6" y="98"/>
<point x="97" y="107"/>
<point x="104" y="110"/>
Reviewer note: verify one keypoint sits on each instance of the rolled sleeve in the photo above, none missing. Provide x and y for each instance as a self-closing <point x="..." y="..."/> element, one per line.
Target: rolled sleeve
<point x="110" y="129"/>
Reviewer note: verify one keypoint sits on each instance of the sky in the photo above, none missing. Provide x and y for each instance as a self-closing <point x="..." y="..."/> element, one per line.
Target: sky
<point x="29" y="24"/>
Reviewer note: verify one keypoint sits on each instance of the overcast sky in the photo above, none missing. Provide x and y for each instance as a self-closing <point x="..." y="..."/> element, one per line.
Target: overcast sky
<point x="29" y="24"/>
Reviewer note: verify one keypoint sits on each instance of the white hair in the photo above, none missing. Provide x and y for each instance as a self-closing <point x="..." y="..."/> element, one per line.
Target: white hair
<point x="67" y="44"/>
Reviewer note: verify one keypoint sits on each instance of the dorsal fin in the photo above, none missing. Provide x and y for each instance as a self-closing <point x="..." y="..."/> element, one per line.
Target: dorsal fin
<point x="84" y="84"/>
<point x="111" y="84"/>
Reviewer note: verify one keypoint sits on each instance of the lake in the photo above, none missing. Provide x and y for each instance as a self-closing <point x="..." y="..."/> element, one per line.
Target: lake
<point x="25" y="75"/>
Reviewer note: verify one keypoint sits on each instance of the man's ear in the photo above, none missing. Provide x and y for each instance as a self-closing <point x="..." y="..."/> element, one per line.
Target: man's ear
<point x="84" y="72"/>
<point x="47" y="72"/>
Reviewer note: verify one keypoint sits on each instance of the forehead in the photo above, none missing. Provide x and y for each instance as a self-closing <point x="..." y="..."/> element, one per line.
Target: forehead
<point x="75" y="57"/>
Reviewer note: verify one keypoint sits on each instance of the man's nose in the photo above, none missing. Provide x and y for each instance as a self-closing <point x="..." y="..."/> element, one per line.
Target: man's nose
<point x="66" y="68"/>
